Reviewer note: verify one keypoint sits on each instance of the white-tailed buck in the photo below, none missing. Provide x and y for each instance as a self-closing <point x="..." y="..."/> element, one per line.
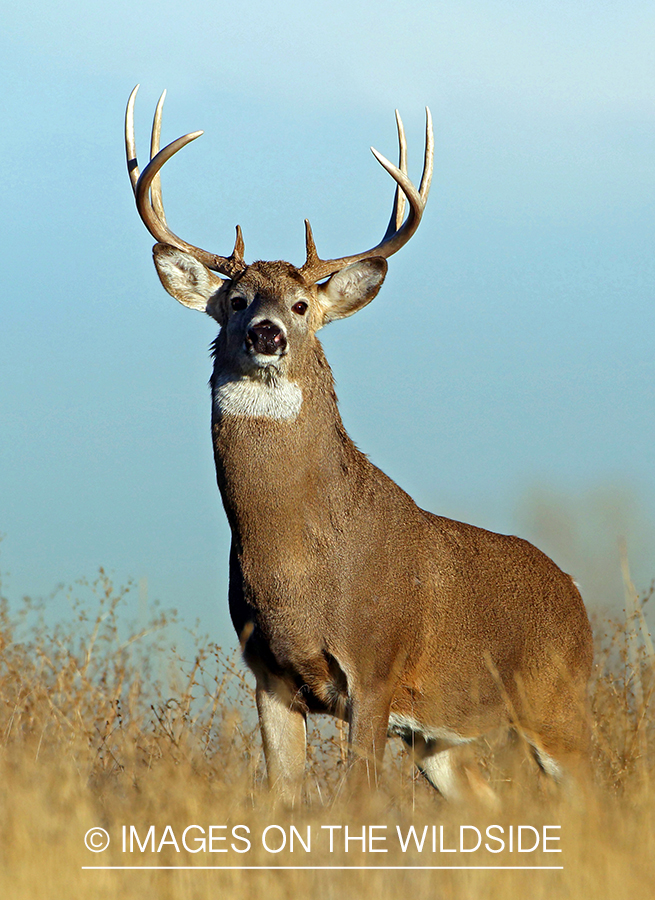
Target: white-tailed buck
<point x="347" y="598"/>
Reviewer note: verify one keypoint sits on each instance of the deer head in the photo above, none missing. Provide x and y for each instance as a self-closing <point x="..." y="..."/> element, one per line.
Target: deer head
<point x="269" y="311"/>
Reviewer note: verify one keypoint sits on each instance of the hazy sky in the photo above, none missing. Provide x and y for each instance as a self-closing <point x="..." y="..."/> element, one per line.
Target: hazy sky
<point x="506" y="371"/>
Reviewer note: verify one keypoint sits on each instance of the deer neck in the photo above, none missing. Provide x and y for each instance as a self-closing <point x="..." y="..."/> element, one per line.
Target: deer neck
<point x="283" y="467"/>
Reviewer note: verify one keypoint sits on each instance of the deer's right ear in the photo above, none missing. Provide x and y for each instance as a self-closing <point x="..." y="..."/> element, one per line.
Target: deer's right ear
<point x="186" y="279"/>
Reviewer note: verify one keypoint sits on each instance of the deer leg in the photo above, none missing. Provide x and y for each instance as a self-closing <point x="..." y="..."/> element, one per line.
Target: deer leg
<point x="284" y="736"/>
<point x="452" y="770"/>
<point x="561" y="772"/>
<point x="438" y="765"/>
<point x="369" y="722"/>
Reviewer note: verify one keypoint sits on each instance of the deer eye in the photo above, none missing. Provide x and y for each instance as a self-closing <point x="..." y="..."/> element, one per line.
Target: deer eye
<point x="300" y="307"/>
<point x="238" y="303"/>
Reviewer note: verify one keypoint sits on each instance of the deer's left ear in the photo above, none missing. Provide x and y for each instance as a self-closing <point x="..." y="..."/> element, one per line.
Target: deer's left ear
<point x="352" y="288"/>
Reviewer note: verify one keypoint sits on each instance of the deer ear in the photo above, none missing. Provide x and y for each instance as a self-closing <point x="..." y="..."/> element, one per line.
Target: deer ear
<point x="352" y="288"/>
<point x="186" y="279"/>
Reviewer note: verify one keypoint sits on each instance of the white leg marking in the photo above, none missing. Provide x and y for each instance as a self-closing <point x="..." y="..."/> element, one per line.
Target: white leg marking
<point x="549" y="765"/>
<point x="284" y="735"/>
<point x="441" y="772"/>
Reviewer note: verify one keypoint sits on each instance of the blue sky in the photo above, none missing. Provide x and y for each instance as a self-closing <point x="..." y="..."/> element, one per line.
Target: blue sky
<point x="504" y="375"/>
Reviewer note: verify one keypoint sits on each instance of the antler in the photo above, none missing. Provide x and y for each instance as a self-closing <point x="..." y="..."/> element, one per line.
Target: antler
<point x="147" y="191"/>
<point x="397" y="233"/>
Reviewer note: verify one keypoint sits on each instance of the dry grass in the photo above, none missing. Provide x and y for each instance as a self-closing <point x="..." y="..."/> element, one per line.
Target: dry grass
<point x="102" y="724"/>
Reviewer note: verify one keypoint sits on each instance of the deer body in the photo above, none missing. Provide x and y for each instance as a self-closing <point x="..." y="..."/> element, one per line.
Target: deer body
<point x="351" y="600"/>
<point x="347" y="597"/>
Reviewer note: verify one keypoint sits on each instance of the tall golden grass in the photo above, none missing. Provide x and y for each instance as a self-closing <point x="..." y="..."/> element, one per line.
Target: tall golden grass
<point x="102" y="724"/>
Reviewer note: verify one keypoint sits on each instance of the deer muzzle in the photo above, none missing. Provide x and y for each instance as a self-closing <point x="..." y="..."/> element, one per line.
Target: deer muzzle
<point x="266" y="338"/>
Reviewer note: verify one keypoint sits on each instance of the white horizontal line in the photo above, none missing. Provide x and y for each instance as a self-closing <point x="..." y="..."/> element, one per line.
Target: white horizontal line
<point x="317" y="868"/>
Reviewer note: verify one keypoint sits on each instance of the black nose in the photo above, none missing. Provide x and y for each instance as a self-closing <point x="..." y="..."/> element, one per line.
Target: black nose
<point x="266" y="338"/>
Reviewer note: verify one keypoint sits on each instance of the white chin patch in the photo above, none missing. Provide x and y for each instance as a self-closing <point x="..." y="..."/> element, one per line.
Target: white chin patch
<point x="276" y="398"/>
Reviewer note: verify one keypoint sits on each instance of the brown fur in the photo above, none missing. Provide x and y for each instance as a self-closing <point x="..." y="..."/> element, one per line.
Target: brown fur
<point x="348" y="598"/>
<point x="357" y="603"/>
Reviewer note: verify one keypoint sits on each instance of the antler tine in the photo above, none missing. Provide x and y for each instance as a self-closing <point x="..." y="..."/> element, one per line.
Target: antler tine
<point x="130" y="143"/>
<point x="147" y="190"/>
<point x="155" y="137"/>
<point x="310" y="246"/>
<point x="428" y="160"/>
<point x="398" y="210"/>
<point x="397" y="233"/>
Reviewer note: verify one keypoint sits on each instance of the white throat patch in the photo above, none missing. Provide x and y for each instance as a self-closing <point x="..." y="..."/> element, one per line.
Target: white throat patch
<point x="275" y="398"/>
